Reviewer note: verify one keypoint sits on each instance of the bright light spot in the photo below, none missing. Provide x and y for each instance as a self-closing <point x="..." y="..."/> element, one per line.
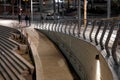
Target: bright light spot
<point x="7" y="22"/>
<point x="98" y="73"/>
<point x="43" y="2"/>
<point x="20" y="9"/>
<point x="59" y="1"/>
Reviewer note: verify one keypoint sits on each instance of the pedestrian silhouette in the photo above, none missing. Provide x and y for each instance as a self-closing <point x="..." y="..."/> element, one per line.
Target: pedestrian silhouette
<point x="19" y="18"/>
<point x="26" y="19"/>
<point x="42" y="18"/>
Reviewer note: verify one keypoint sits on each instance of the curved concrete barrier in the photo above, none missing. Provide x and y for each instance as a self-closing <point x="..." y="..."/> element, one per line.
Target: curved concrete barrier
<point x="49" y="63"/>
<point x="81" y="55"/>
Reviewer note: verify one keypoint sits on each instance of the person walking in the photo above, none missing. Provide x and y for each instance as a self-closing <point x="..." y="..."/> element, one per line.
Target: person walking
<point x="42" y="19"/>
<point x="26" y="19"/>
<point x="19" y="17"/>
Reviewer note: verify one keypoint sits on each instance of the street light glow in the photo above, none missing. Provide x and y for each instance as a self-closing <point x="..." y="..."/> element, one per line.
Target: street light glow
<point x="59" y="1"/>
<point x="98" y="71"/>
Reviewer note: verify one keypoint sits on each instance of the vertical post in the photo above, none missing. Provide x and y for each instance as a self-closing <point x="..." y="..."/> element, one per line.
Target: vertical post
<point x="4" y="6"/>
<point x="62" y="6"/>
<point x="13" y="1"/>
<point x="68" y="4"/>
<point x="20" y="4"/>
<point x="41" y="7"/>
<point x="79" y="16"/>
<point x="108" y="8"/>
<point x="75" y="4"/>
<point x="58" y="7"/>
<point x="26" y="7"/>
<point x="41" y="16"/>
<point x="54" y="7"/>
<point x="31" y="11"/>
<point x="92" y="6"/>
<point x="85" y="13"/>
<point x="92" y="3"/>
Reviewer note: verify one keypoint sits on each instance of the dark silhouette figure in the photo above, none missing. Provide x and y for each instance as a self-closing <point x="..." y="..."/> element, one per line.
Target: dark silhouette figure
<point x="26" y="19"/>
<point x="42" y="18"/>
<point x="19" y="18"/>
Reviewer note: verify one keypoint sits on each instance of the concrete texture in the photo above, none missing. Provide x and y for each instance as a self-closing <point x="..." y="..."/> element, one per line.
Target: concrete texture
<point x="50" y="64"/>
<point x="81" y="54"/>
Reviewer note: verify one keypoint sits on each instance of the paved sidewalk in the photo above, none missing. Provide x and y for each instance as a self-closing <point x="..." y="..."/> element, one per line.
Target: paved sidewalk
<point x="50" y="64"/>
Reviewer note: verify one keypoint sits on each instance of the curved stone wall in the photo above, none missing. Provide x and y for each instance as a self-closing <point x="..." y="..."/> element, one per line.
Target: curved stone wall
<point x="81" y="55"/>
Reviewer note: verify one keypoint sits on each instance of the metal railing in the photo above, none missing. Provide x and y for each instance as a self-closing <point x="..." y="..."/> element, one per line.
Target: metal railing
<point x="103" y="32"/>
